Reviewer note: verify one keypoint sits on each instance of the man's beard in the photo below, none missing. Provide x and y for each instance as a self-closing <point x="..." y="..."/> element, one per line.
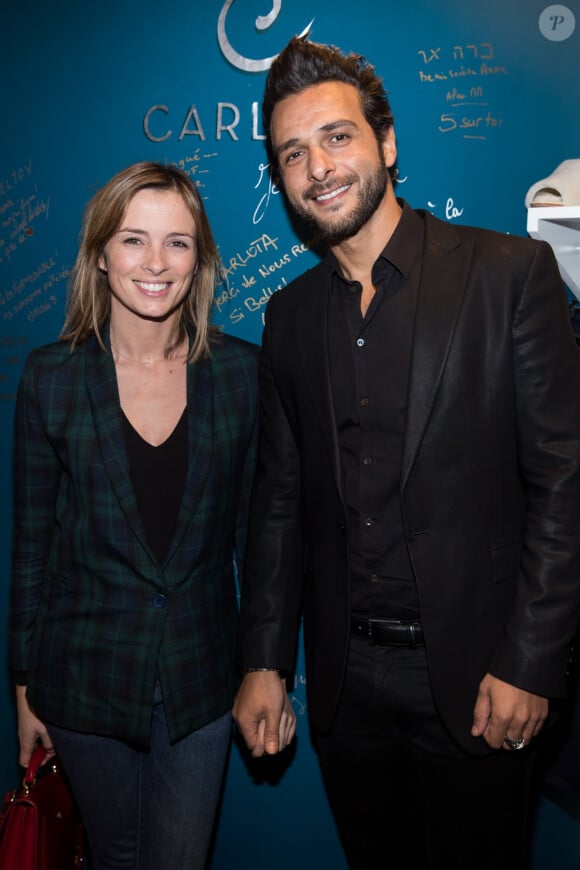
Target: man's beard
<point x="370" y="196"/>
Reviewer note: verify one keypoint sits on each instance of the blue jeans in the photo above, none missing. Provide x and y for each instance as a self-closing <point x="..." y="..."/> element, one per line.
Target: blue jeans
<point x="147" y="810"/>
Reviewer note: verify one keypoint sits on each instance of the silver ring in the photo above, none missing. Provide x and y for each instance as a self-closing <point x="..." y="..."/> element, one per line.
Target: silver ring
<point x="514" y="744"/>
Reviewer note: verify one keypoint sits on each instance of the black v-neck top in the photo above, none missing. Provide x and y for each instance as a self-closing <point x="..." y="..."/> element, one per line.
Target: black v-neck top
<point x="158" y="475"/>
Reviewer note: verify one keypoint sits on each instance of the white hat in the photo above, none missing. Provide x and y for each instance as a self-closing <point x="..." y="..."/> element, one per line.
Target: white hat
<point x="562" y="187"/>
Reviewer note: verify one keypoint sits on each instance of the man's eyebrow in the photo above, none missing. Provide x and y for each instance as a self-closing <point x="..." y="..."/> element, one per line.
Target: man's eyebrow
<point x="326" y="128"/>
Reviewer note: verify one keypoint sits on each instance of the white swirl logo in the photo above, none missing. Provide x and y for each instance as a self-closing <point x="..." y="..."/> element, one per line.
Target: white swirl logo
<point x="263" y="22"/>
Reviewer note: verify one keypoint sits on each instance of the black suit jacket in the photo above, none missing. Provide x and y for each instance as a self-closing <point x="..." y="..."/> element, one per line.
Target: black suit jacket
<point x="489" y="483"/>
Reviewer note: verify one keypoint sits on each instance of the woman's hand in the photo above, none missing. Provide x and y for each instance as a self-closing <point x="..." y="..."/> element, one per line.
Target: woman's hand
<point x="30" y="729"/>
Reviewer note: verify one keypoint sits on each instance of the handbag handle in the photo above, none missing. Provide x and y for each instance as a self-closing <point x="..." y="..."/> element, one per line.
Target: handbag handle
<point x="36" y="759"/>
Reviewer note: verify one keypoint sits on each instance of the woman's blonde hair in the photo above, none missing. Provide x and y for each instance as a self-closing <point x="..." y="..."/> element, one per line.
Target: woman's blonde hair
<point x="89" y="304"/>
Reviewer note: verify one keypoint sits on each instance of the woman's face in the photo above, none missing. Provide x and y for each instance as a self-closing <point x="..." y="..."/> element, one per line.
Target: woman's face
<point x="152" y="258"/>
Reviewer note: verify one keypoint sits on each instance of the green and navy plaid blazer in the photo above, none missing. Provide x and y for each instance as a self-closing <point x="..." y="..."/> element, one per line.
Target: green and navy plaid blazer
<point x="94" y="617"/>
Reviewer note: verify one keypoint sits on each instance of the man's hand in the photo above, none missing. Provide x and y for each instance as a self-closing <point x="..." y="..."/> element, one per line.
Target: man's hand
<point x="264" y="714"/>
<point x="30" y="729"/>
<point x="503" y="710"/>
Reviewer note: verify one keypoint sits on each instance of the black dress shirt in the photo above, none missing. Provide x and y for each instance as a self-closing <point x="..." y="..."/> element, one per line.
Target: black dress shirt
<point x="369" y="363"/>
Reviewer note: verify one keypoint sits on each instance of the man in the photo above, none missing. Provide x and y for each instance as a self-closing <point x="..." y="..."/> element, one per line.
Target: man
<point x="417" y="495"/>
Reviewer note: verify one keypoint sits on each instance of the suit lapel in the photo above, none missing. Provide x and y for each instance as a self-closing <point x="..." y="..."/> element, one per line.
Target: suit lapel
<point x="446" y="261"/>
<point x="314" y="355"/>
<point x="442" y="282"/>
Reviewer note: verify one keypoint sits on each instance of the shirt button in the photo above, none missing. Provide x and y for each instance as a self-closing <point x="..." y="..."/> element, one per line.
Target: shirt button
<point x="159" y="600"/>
<point x="367" y="460"/>
<point x="374" y="578"/>
<point x="368" y="522"/>
<point x="360" y="342"/>
<point x="364" y="401"/>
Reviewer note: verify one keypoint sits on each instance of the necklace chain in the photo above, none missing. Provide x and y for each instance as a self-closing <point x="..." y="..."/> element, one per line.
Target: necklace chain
<point x="148" y="363"/>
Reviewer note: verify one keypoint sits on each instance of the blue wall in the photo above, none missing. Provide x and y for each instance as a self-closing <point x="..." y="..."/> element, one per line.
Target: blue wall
<point x="485" y="102"/>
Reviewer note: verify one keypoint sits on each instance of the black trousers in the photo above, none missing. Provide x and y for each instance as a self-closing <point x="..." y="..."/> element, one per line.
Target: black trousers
<point x="402" y="793"/>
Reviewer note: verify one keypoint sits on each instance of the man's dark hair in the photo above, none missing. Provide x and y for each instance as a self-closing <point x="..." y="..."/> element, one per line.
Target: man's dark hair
<point x="303" y="64"/>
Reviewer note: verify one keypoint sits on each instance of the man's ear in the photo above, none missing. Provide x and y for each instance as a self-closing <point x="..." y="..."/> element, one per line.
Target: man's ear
<point x="389" y="147"/>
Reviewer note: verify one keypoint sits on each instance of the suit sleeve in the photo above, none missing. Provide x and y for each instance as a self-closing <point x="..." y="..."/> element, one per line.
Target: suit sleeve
<point x="271" y="594"/>
<point x="547" y="384"/>
<point x="36" y="476"/>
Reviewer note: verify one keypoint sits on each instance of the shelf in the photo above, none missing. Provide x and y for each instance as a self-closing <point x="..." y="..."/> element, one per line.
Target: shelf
<point x="560" y="227"/>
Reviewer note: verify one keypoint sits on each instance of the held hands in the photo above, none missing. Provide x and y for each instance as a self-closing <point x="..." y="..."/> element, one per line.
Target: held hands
<point x="264" y="714"/>
<point x="502" y="710"/>
<point x="30" y="729"/>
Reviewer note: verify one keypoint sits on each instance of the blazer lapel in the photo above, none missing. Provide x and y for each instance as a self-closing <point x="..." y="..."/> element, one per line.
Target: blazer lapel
<point x="444" y="272"/>
<point x="200" y="439"/>
<point x="101" y="381"/>
<point x="103" y="393"/>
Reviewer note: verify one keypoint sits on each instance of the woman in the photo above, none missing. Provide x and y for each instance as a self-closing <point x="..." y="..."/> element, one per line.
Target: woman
<point x="134" y="447"/>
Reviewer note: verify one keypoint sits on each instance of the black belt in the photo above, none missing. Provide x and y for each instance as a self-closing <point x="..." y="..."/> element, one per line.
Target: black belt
<point x="388" y="632"/>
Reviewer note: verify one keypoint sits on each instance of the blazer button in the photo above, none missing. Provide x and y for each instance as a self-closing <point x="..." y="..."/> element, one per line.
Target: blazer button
<point x="159" y="600"/>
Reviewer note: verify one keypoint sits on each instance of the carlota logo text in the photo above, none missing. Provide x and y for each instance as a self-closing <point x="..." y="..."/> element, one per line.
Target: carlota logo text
<point x="157" y="124"/>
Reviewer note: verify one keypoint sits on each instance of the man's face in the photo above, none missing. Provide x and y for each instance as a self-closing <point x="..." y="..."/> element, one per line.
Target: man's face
<point x="333" y="170"/>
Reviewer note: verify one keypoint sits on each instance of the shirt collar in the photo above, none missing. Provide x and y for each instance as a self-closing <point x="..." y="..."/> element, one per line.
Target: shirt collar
<point x="400" y="251"/>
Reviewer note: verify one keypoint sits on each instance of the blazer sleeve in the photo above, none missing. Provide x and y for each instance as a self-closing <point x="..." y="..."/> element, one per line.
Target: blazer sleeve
<point x="241" y="532"/>
<point x="546" y="363"/>
<point x="36" y="476"/>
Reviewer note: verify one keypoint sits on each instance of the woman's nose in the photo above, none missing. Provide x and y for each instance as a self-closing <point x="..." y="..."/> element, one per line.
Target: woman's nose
<point x="154" y="261"/>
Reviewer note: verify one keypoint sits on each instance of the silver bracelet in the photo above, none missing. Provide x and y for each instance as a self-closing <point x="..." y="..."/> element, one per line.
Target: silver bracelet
<point x="257" y="670"/>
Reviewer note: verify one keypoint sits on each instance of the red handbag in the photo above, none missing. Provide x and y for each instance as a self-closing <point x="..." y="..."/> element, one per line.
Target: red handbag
<point x="40" y="828"/>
